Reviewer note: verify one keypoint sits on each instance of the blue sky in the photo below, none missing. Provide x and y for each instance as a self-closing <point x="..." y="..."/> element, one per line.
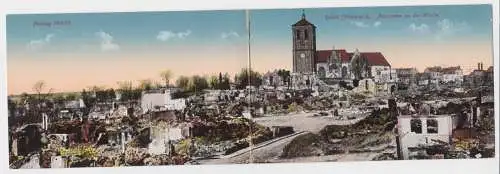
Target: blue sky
<point x="102" y="48"/>
<point x="452" y="22"/>
<point x="139" y="31"/>
<point x="451" y="35"/>
<point x="124" y="31"/>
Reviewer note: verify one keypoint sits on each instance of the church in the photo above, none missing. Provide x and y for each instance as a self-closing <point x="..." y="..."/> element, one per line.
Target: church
<point x="335" y="63"/>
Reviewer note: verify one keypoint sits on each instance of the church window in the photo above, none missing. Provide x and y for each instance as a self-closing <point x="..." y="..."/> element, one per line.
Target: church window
<point x="366" y="84"/>
<point x="416" y="125"/>
<point x="432" y="126"/>
<point x="322" y="72"/>
<point x="344" y="72"/>
<point x="305" y="34"/>
<point x="333" y="66"/>
<point x="297" y="34"/>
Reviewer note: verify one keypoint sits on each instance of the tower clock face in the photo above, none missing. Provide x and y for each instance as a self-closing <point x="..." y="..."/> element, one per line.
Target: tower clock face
<point x="302" y="55"/>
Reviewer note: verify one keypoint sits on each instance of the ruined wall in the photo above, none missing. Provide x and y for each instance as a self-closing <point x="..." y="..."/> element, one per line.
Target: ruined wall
<point x="452" y="78"/>
<point x="175" y="104"/>
<point x="383" y="74"/>
<point x="29" y="140"/>
<point x="412" y="139"/>
<point x="150" y="100"/>
<point x="160" y="136"/>
<point x="366" y="85"/>
<point x="57" y="162"/>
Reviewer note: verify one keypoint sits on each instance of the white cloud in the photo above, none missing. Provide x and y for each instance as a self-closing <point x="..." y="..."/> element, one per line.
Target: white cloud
<point x="107" y="43"/>
<point x="360" y="24"/>
<point x="422" y="28"/>
<point x="40" y="43"/>
<point x="229" y="34"/>
<point x="167" y="35"/>
<point x="446" y="28"/>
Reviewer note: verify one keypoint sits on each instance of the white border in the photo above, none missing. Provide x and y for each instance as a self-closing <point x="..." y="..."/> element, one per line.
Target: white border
<point x="72" y="6"/>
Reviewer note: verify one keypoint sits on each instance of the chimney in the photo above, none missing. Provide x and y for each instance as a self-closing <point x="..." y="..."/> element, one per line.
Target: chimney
<point x="478" y="66"/>
<point x="482" y="66"/>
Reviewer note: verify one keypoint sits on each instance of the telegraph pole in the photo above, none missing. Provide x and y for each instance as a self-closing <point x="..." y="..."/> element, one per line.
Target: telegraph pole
<point x="249" y="74"/>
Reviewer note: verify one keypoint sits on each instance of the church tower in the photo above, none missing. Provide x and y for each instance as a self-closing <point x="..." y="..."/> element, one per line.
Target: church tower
<point x="304" y="46"/>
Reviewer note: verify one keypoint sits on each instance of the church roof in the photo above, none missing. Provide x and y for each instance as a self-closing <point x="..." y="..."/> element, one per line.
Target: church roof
<point x="323" y="55"/>
<point x="373" y="58"/>
<point x="303" y="22"/>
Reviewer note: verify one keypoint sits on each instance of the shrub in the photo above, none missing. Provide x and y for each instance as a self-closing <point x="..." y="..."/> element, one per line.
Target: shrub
<point x="87" y="152"/>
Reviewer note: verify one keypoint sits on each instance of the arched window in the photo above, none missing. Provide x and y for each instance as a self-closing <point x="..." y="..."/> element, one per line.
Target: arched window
<point x="321" y="72"/>
<point x="305" y="34"/>
<point x="344" y="72"/>
<point x="416" y="125"/>
<point x="297" y="33"/>
<point x="432" y="126"/>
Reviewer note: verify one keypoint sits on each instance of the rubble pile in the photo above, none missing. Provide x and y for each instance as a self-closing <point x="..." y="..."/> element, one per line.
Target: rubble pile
<point x="350" y="115"/>
<point x="304" y="145"/>
<point x="214" y="142"/>
<point x="372" y="134"/>
<point x="384" y="157"/>
<point x="165" y="160"/>
<point x="135" y="156"/>
<point x="221" y="131"/>
<point x="238" y="145"/>
<point x="261" y="134"/>
<point x="139" y="157"/>
<point x="377" y="122"/>
<point x="321" y="104"/>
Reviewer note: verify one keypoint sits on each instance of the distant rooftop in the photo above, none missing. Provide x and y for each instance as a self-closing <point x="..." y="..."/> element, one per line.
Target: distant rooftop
<point x="163" y="90"/>
<point x="446" y="70"/>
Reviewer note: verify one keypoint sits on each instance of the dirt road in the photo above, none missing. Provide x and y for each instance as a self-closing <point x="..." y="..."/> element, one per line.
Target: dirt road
<point x="305" y="121"/>
<point x="271" y="149"/>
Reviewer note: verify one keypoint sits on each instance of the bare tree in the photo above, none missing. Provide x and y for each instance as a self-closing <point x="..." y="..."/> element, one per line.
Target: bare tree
<point x="38" y="88"/>
<point x="214" y="82"/>
<point x="166" y="75"/>
<point x="183" y="82"/>
<point x="126" y="89"/>
<point x="146" y="84"/>
<point x="157" y="85"/>
<point x="125" y="85"/>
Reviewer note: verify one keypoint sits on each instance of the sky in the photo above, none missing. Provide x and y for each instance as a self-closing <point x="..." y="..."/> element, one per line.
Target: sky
<point x="81" y="50"/>
<point x="74" y="51"/>
<point x="417" y="36"/>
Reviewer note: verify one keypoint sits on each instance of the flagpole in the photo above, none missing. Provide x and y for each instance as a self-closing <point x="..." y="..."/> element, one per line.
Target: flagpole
<point x="249" y="74"/>
<point x="248" y="39"/>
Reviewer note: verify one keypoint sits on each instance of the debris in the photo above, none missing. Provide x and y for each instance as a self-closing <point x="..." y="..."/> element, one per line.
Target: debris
<point x="304" y="145"/>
